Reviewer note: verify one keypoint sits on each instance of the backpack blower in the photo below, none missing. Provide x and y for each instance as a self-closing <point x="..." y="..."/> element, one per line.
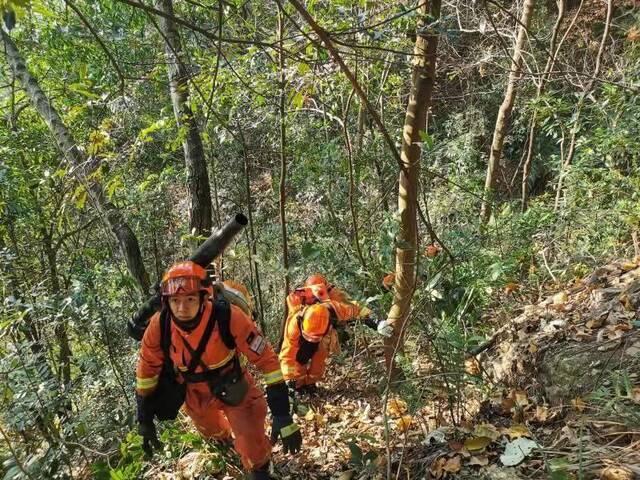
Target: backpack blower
<point x="203" y="256"/>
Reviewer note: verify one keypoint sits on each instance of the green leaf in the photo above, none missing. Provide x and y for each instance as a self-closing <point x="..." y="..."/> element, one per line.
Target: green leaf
<point x="113" y="186"/>
<point x="427" y="140"/>
<point x="303" y="68"/>
<point x="80" y="197"/>
<point x="298" y="100"/>
<point x="83" y="90"/>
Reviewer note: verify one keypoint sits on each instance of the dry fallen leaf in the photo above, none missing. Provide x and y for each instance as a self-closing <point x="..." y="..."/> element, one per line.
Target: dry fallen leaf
<point x="628" y="266"/>
<point x="404" y="423"/>
<point x="511" y="287"/>
<point x="472" y="366"/>
<point x="560" y="298"/>
<point x="475" y="444"/>
<point x="437" y="467"/>
<point x="506" y="404"/>
<point x="634" y="34"/>
<point x="486" y="430"/>
<point x="517" y="431"/>
<point x="578" y="404"/>
<point x="520" y="397"/>
<point x="616" y="473"/>
<point x="542" y="413"/>
<point x="452" y="465"/>
<point x="533" y="348"/>
<point x="481" y="460"/>
<point x="596" y="322"/>
<point x="310" y="415"/>
<point x="516" y="451"/>
<point x="635" y="395"/>
<point x="396" y="407"/>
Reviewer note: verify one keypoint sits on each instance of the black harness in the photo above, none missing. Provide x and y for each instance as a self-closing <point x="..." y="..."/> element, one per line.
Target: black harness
<point x="227" y="381"/>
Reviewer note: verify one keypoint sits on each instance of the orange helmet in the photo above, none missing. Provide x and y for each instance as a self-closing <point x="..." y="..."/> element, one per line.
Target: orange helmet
<point x="315" y="322"/>
<point x="315" y="279"/>
<point x="184" y="278"/>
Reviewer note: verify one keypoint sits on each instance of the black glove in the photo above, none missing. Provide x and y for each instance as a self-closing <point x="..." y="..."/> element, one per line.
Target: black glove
<point x="146" y="428"/>
<point x="284" y="427"/>
<point x="306" y="350"/>
<point x="383" y="327"/>
<point x="149" y="438"/>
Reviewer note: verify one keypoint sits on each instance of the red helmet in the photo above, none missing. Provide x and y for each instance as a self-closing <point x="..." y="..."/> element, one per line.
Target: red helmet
<point x="184" y="278"/>
<point x="315" y="279"/>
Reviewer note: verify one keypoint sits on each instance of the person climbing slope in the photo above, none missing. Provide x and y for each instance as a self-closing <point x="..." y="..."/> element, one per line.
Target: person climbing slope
<point x="207" y="340"/>
<point x="309" y="337"/>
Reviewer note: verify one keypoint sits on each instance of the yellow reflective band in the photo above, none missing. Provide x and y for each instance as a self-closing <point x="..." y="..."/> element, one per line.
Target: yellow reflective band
<point x="273" y="377"/>
<point x="144" y="383"/>
<point x="224" y="361"/>
<point x="288" y="369"/>
<point x="243" y="360"/>
<point x="289" y="430"/>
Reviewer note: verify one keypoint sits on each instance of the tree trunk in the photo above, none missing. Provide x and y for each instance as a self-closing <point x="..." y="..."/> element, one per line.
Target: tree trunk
<point x="252" y="236"/>
<point x="112" y="217"/>
<point x="504" y="112"/>
<point x="526" y="169"/>
<point x="200" y="209"/>
<point x="352" y="185"/>
<point x="423" y="79"/>
<point x="575" y="127"/>
<point x="64" y="355"/>
<point x="283" y="172"/>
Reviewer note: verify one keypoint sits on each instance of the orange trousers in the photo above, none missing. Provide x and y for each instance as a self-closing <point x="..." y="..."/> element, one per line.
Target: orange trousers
<point x="314" y="370"/>
<point x="245" y="421"/>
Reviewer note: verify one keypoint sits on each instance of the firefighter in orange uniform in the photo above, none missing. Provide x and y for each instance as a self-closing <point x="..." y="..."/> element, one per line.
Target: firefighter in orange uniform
<point x="221" y="396"/>
<point x="314" y="311"/>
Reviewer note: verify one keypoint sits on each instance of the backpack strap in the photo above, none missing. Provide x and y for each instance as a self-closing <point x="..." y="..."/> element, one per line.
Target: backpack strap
<point x="222" y="309"/>
<point x="220" y="314"/>
<point x="165" y="337"/>
<point x="206" y="336"/>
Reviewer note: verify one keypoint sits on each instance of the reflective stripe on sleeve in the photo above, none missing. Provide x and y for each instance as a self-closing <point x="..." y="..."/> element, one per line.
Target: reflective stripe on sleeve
<point x="145" y="383"/>
<point x="273" y="377"/>
<point x="289" y="429"/>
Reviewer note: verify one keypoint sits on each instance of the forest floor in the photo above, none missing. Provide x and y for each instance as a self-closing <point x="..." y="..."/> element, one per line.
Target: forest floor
<point x="557" y="395"/>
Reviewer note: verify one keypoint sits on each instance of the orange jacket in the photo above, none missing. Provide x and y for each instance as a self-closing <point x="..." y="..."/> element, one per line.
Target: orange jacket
<point x="250" y="343"/>
<point x="342" y="311"/>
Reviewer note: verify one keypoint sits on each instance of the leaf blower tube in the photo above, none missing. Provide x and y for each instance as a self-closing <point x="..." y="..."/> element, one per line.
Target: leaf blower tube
<point x="203" y="256"/>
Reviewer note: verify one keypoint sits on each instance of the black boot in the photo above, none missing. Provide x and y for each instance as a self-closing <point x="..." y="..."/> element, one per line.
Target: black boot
<point x="261" y="473"/>
<point x="311" y="390"/>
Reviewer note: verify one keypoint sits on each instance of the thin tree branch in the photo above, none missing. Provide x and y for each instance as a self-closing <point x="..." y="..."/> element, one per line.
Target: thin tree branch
<point x="111" y="58"/>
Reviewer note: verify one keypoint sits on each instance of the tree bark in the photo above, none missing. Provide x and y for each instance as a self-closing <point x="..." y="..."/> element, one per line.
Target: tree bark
<point x="352" y="185"/>
<point x="64" y="355"/>
<point x="575" y="127"/>
<point x="283" y="171"/>
<point x="326" y="39"/>
<point x="111" y="216"/>
<point x="502" y="122"/>
<point x="422" y="82"/>
<point x="526" y="170"/>
<point x="252" y="236"/>
<point x="200" y="209"/>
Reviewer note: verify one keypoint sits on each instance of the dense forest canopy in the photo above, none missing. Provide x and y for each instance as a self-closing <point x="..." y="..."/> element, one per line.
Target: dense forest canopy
<point x="474" y="155"/>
